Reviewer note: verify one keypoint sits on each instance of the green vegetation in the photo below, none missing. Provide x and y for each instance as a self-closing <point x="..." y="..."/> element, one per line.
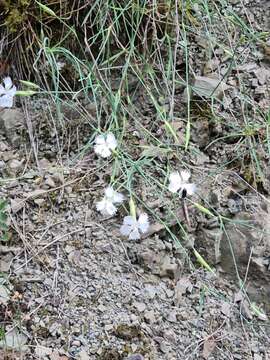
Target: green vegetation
<point x="3" y="221"/>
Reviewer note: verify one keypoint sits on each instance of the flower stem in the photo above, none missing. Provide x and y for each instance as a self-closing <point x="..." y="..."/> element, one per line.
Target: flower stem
<point x="185" y="211"/>
<point x="132" y="208"/>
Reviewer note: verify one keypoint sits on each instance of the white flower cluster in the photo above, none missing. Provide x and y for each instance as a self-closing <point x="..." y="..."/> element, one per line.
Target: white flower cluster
<point x="134" y="227"/>
<point x="7" y="93"/>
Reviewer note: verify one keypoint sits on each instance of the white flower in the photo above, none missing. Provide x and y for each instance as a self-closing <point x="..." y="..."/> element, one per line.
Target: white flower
<point x="105" y="144"/>
<point x="106" y="205"/>
<point x="7" y="93"/>
<point x="133" y="228"/>
<point x="179" y="183"/>
<point x="60" y="65"/>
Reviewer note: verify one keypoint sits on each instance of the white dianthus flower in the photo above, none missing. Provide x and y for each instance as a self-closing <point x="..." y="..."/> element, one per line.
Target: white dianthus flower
<point x="106" y="205"/>
<point x="7" y="93"/>
<point x="179" y="183"/>
<point x="105" y="144"/>
<point x="133" y="228"/>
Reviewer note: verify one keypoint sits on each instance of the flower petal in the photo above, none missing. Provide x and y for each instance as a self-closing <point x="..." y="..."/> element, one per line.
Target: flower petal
<point x="100" y="205"/>
<point x="118" y="198"/>
<point x="12" y="91"/>
<point x="2" y="90"/>
<point x="113" y="195"/>
<point x="175" y="182"/>
<point x="134" y="235"/>
<point x="7" y="82"/>
<point x="190" y="188"/>
<point x="110" y="209"/>
<point x="129" y="220"/>
<point x="109" y="192"/>
<point x="100" y="140"/>
<point x="6" y="101"/>
<point x="185" y="175"/>
<point x="143" y="223"/>
<point x="106" y="207"/>
<point x="111" y="141"/>
<point x="102" y="150"/>
<point x="125" y="230"/>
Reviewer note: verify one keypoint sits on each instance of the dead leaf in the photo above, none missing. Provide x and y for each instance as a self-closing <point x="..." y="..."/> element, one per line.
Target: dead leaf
<point x="10" y="355"/>
<point x="266" y="49"/>
<point x="183" y="285"/>
<point x="238" y="297"/>
<point x="263" y="75"/>
<point x="208" y="347"/>
<point x="245" y="310"/>
<point x="248" y="67"/>
<point x="226" y="309"/>
<point x="154" y="151"/>
<point x="56" y="356"/>
<point x="135" y="357"/>
<point x="5" y="262"/>
<point x="35" y="194"/>
<point x="42" y="351"/>
<point x="16" y="205"/>
<point x="209" y="86"/>
<point x="83" y="355"/>
<point x="4" y="295"/>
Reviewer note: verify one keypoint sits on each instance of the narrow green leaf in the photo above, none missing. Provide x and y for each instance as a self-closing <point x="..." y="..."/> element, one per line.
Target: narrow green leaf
<point x="3" y="204"/>
<point x="203" y="209"/>
<point x="46" y="9"/>
<point x="3" y="217"/>
<point x="4" y="237"/>
<point x="26" y="92"/>
<point x="258" y="312"/>
<point x="29" y="84"/>
<point x="3" y="226"/>
<point x="203" y="262"/>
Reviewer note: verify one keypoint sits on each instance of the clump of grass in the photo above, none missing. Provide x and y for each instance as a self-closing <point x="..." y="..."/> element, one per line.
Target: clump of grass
<point x="25" y="23"/>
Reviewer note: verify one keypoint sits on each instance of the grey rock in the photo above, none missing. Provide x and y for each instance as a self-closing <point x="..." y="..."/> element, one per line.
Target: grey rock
<point x="172" y="317"/>
<point x="140" y="306"/>
<point x="135" y="357"/>
<point x="16" y="205"/>
<point x="15" y="166"/>
<point x="76" y="343"/>
<point x="4" y="296"/>
<point x="263" y="75"/>
<point x="169" y="268"/>
<point x="11" y="122"/>
<point x="5" y="262"/>
<point x="150" y="316"/>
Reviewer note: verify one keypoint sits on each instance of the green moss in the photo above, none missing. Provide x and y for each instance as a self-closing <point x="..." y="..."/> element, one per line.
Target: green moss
<point x="16" y="13"/>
